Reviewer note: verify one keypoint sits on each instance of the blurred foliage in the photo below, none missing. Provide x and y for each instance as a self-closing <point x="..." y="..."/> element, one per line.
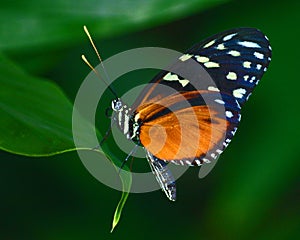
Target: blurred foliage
<point x="35" y="114"/>
<point x="253" y="192"/>
<point x="58" y="22"/>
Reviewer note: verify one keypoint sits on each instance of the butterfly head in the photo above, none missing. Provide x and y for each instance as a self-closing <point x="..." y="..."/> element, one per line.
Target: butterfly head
<point x="123" y="118"/>
<point x="117" y="105"/>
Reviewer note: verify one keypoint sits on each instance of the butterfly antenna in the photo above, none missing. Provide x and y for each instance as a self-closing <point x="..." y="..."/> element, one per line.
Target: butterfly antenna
<point x="90" y="65"/>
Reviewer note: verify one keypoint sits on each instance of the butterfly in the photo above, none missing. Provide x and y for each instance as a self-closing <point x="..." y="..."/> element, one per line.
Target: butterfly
<point x="192" y="125"/>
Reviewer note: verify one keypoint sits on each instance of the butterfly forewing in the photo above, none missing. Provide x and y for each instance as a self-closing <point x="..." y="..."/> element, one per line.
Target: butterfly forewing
<point x="236" y="60"/>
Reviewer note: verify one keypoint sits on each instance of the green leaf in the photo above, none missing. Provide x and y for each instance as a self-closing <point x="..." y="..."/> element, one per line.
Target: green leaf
<point x="126" y="183"/>
<point x="35" y="114"/>
<point x="36" y="120"/>
<point x="40" y="23"/>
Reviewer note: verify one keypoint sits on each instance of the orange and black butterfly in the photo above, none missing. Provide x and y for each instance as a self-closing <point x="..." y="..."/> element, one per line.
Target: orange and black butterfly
<point x="183" y="127"/>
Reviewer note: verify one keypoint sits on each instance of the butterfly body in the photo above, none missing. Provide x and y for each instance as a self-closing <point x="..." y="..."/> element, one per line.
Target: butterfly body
<point x="126" y="120"/>
<point x="179" y="121"/>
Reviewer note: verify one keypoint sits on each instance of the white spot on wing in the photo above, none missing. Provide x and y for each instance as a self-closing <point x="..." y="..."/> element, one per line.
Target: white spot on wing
<point x="175" y="162"/>
<point x="219" y="101"/>
<point x="215" y="89"/>
<point x="188" y="162"/>
<point x="202" y="59"/>
<point x="198" y="162"/>
<point x="174" y="77"/>
<point x="258" y="66"/>
<point x="221" y="47"/>
<point x="209" y="44"/>
<point x="252" y="79"/>
<point x="211" y="65"/>
<point x="231" y="76"/>
<point x="234" y="131"/>
<point x="228" y="37"/>
<point x="239" y="93"/>
<point x="247" y="64"/>
<point x="185" y="57"/>
<point x="249" y="44"/>
<point x="234" y="53"/>
<point x="184" y="82"/>
<point x="259" y="55"/>
<point x="250" y="93"/>
<point x="246" y="77"/>
<point x="219" y="151"/>
<point x="229" y="114"/>
<point x="171" y="77"/>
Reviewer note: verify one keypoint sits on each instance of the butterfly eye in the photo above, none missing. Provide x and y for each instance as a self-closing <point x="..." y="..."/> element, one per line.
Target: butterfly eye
<point x="117" y="105"/>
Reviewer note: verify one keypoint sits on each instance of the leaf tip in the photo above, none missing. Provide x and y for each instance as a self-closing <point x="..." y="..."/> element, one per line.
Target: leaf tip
<point x="113" y="226"/>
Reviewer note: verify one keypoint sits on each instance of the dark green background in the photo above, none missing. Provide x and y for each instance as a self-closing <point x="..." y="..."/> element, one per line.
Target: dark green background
<point x="252" y="193"/>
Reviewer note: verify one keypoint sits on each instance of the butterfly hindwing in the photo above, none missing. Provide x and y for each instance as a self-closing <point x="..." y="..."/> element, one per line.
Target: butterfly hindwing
<point x="163" y="175"/>
<point x="183" y="128"/>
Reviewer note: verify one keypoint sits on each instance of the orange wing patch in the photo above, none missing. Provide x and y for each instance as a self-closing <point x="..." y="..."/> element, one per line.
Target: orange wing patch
<point x="184" y="134"/>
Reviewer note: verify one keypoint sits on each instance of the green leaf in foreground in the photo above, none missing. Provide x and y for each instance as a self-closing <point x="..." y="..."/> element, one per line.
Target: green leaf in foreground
<point x="36" y="120"/>
<point x="126" y="183"/>
<point x="35" y="114"/>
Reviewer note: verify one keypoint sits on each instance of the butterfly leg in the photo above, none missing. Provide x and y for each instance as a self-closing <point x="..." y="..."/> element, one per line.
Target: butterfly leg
<point x="163" y="176"/>
<point x="108" y="132"/>
<point x="106" y="135"/>
<point x="128" y="156"/>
